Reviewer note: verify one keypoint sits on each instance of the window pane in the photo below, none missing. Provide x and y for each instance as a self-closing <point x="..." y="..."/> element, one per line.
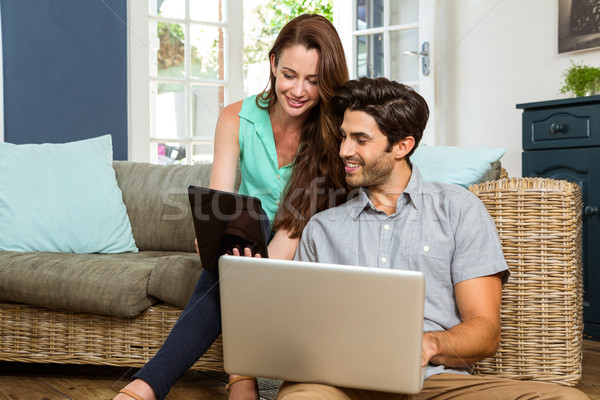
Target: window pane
<point x="207" y="52"/>
<point x="207" y="103"/>
<point x="170" y="55"/>
<point x="202" y="10"/>
<point x="170" y="153"/>
<point x="202" y="153"/>
<point x="169" y="110"/>
<point x="170" y="8"/>
<point x="404" y="12"/>
<point x="369" y="14"/>
<point x="405" y="68"/>
<point x="369" y="56"/>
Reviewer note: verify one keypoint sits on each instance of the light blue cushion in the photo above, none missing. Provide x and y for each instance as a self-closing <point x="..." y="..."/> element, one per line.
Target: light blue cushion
<point x="459" y="165"/>
<point x="62" y="198"/>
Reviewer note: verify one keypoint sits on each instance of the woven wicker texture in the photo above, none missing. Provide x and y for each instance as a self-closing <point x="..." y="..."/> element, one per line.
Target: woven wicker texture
<point x="40" y="335"/>
<point x="539" y="224"/>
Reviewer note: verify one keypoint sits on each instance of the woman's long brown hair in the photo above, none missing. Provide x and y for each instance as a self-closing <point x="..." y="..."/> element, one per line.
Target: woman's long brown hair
<point x="318" y="180"/>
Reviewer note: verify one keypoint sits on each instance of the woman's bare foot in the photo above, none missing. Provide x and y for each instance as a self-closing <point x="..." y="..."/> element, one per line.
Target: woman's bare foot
<point x="243" y="390"/>
<point x="139" y="387"/>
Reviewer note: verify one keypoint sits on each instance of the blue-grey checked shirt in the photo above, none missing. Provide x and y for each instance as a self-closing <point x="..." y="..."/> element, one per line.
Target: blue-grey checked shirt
<point x="439" y="229"/>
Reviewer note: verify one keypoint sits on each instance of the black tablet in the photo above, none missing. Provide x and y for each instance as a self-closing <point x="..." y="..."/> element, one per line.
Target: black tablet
<point x="224" y="220"/>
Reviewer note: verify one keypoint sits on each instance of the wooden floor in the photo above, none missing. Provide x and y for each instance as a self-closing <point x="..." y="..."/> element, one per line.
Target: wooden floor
<point x="58" y="382"/>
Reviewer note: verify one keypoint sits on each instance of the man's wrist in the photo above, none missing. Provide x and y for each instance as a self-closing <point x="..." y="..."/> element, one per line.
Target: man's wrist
<point x="431" y="342"/>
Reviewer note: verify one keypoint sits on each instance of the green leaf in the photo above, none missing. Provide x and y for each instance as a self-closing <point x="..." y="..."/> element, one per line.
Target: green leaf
<point x="272" y="17"/>
<point x="581" y="80"/>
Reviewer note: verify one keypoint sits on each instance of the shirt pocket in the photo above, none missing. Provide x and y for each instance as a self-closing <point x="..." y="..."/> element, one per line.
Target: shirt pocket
<point x="431" y="258"/>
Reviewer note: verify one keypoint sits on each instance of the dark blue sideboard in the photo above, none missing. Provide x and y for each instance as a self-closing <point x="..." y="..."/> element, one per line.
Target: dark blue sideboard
<point x="561" y="140"/>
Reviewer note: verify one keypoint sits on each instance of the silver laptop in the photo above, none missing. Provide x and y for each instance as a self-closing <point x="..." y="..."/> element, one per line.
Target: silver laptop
<point x="349" y="326"/>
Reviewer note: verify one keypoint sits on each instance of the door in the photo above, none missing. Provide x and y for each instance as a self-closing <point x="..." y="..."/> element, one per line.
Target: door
<point x="393" y="39"/>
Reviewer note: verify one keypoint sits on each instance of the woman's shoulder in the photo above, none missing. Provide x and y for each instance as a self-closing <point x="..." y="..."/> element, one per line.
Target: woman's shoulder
<point x="232" y="110"/>
<point x="246" y="108"/>
<point x="229" y="121"/>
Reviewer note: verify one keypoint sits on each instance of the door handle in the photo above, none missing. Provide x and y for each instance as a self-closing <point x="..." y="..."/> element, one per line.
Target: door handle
<point x="424" y="54"/>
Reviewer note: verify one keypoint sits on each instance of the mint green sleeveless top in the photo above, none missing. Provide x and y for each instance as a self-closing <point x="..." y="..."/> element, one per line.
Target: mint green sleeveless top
<point x="261" y="176"/>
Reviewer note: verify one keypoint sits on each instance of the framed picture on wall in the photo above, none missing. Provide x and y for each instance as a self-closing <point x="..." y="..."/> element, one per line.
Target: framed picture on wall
<point x="578" y="25"/>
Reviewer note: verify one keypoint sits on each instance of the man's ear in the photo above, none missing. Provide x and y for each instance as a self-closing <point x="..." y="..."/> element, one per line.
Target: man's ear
<point x="404" y="146"/>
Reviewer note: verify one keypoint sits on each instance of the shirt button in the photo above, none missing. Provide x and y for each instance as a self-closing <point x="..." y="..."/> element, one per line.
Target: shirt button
<point x="278" y="176"/>
<point x="277" y="202"/>
<point x="386" y="227"/>
<point x="426" y="248"/>
<point x="383" y="259"/>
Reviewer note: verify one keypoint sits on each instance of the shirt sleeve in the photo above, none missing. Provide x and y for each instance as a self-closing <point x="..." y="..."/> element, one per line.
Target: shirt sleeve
<point x="306" y="250"/>
<point x="478" y="251"/>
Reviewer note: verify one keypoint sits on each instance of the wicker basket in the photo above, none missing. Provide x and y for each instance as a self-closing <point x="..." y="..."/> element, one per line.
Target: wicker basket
<point x="539" y="224"/>
<point x="40" y="335"/>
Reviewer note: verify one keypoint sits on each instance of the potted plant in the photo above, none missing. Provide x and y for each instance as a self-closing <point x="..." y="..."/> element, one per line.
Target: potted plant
<point x="581" y="80"/>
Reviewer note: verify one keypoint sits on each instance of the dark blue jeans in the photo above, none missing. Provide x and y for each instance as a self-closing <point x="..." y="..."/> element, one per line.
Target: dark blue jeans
<point x="195" y="331"/>
<point x="197" y="328"/>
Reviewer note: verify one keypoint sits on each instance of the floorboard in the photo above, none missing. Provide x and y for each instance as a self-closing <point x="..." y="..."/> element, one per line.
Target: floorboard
<point x="21" y="381"/>
<point x="27" y="388"/>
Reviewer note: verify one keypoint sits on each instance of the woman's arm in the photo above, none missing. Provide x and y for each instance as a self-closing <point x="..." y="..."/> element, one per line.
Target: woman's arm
<point x="224" y="172"/>
<point x="282" y="247"/>
<point x="227" y="149"/>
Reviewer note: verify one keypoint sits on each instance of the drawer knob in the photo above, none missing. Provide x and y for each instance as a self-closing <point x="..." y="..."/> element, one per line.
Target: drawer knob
<point x="590" y="210"/>
<point x="556" y="127"/>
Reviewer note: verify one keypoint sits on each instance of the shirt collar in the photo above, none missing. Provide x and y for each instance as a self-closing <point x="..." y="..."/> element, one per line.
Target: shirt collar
<point x="411" y="195"/>
<point x="258" y="116"/>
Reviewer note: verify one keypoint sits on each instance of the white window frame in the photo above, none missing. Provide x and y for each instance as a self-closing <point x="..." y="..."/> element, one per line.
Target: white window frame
<point x="140" y="50"/>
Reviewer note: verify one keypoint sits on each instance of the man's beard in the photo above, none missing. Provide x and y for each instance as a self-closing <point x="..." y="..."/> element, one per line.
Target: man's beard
<point x="375" y="174"/>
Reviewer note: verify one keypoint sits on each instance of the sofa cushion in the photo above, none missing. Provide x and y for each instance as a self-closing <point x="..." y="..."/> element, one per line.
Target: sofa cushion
<point x="458" y="165"/>
<point x="174" y="278"/>
<point x="107" y="284"/>
<point x="62" y="197"/>
<point x="157" y="203"/>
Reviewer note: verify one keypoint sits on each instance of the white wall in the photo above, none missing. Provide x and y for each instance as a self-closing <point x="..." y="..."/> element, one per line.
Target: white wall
<point x="492" y="55"/>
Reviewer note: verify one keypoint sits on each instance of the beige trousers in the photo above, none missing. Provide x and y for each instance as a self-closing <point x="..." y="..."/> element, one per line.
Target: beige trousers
<point x="443" y="386"/>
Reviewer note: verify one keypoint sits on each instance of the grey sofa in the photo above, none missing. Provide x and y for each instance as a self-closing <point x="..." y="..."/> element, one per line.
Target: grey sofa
<point x="113" y="309"/>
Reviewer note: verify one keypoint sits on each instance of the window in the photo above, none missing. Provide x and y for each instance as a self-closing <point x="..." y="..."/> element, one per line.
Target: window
<point x="185" y="66"/>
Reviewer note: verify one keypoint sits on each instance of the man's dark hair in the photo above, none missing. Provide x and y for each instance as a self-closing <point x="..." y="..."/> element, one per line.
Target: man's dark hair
<point x="399" y="111"/>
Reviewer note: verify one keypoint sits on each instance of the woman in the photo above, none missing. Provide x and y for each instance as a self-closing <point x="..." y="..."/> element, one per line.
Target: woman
<point x="286" y="144"/>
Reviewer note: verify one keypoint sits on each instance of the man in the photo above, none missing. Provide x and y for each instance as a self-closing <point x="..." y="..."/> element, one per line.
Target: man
<point x="399" y="221"/>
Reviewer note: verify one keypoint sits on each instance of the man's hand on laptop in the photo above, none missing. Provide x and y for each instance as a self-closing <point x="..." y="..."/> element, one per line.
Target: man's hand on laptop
<point x="430" y="348"/>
